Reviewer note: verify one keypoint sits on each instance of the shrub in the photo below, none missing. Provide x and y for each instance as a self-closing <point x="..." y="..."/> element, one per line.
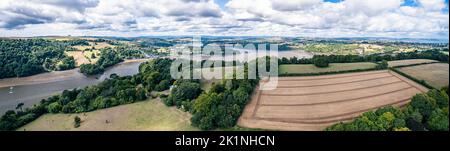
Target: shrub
<point x="77" y="122"/>
<point x="320" y="62"/>
<point x="163" y="85"/>
<point x="54" y="107"/>
<point x="383" y="65"/>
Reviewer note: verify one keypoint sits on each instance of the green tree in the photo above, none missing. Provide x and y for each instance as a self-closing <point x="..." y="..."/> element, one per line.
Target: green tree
<point x="438" y="120"/>
<point x="320" y="61"/>
<point x="141" y="94"/>
<point x="383" y="65"/>
<point x="441" y="98"/>
<point x="163" y="85"/>
<point x="54" y="107"/>
<point x="185" y="91"/>
<point x="424" y="104"/>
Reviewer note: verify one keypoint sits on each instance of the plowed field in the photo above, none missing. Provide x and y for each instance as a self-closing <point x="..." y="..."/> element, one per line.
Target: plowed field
<point x="313" y="103"/>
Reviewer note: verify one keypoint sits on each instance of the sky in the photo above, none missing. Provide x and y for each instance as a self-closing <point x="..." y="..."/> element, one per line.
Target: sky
<point x="299" y="18"/>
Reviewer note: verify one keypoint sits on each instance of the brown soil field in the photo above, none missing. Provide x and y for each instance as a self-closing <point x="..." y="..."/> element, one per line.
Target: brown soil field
<point x="315" y="102"/>
<point x="409" y="62"/>
<point x="435" y="74"/>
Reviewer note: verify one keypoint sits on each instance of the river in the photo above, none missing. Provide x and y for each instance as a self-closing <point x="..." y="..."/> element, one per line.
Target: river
<point x="245" y="55"/>
<point x="31" y="90"/>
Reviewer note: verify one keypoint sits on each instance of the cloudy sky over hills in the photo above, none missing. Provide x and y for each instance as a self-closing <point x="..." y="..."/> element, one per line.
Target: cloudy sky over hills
<point x="317" y="18"/>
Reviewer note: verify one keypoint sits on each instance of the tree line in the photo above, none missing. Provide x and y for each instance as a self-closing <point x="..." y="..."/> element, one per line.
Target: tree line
<point x="426" y="112"/>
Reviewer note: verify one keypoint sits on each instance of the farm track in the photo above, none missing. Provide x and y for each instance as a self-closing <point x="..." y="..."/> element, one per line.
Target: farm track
<point x="314" y="103"/>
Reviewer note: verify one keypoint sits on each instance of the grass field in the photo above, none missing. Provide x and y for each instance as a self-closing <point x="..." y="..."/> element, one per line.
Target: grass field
<point x="435" y="74"/>
<point x="96" y="45"/>
<point x="84" y="57"/>
<point x="409" y="62"/>
<point x="150" y="115"/>
<point x="315" y="102"/>
<point x="334" y="67"/>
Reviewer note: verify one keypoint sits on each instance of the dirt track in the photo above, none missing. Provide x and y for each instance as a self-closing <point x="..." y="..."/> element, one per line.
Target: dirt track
<point x="313" y="103"/>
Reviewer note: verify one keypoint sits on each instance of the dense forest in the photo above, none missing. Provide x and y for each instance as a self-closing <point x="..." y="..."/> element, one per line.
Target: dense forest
<point x="25" y="57"/>
<point x="425" y="112"/>
<point x="111" y="92"/>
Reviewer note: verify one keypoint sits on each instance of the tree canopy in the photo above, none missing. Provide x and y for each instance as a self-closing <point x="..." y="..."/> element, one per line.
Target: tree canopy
<point x="26" y="57"/>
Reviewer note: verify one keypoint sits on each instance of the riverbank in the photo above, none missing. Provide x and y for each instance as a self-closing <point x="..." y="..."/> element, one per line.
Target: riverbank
<point x="54" y="76"/>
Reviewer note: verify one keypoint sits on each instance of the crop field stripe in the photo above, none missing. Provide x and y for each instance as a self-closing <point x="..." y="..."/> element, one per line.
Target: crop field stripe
<point x="334" y="76"/>
<point x="306" y="94"/>
<point x="335" y="83"/>
<point x="334" y="116"/>
<point x="339" y="101"/>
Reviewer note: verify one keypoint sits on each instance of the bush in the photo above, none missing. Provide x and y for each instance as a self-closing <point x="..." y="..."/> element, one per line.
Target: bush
<point x="77" y="122"/>
<point x="383" y="65"/>
<point x="168" y="101"/>
<point x="320" y="62"/>
<point x="54" y="107"/>
<point x="163" y="85"/>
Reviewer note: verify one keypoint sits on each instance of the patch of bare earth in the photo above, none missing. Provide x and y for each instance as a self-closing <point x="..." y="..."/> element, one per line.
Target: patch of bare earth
<point x="79" y="57"/>
<point x="436" y="74"/>
<point x="316" y="102"/>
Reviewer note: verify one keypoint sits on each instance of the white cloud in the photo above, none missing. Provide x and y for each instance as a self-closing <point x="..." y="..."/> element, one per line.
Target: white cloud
<point x="371" y="7"/>
<point x="294" y="5"/>
<point x="238" y="17"/>
<point x="433" y="5"/>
